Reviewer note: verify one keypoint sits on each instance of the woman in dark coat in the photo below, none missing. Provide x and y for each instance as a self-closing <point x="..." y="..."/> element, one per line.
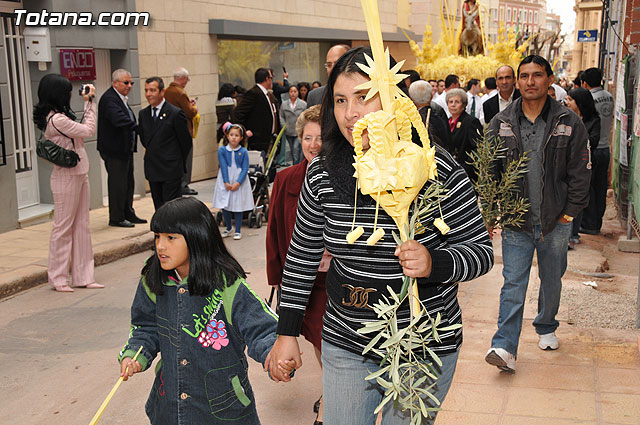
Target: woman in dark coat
<point x="580" y="101"/>
<point x="465" y="130"/>
<point x="282" y="218"/>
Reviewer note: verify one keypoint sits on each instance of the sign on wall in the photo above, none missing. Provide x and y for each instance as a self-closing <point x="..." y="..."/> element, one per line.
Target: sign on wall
<point x="78" y="64"/>
<point x="586" y="36"/>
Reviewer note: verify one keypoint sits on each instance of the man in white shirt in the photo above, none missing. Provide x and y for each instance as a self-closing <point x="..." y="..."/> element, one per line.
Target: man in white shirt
<point x="507" y="93"/>
<point x="474" y="103"/>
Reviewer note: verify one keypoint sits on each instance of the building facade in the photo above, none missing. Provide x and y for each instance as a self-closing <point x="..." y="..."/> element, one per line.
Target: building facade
<point x="588" y="17"/>
<point x="218" y="41"/>
<point x="525" y="16"/>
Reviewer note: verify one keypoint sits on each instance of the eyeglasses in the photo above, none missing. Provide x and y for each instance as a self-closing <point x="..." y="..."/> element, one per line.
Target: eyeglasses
<point x="128" y="83"/>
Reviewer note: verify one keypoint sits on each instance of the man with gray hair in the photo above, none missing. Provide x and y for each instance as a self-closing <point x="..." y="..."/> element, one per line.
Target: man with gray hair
<point x="420" y="93"/>
<point x="117" y="142"/>
<point x="176" y="95"/>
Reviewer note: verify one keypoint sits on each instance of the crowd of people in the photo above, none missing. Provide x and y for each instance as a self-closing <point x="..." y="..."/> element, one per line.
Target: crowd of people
<point x="326" y="287"/>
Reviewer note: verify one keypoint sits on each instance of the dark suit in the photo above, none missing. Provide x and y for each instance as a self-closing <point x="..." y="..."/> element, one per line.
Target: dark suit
<point x="116" y="144"/>
<point x="438" y="128"/>
<point x="254" y="113"/>
<point x="491" y="107"/>
<point x="167" y="143"/>
<point x="315" y="96"/>
<point x="464" y="140"/>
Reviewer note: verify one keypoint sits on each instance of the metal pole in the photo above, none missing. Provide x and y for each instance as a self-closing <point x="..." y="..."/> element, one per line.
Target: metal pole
<point x="604" y="24"/>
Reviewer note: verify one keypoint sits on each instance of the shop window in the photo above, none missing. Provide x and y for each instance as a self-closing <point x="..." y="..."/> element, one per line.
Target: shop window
<point x="239" y="59"/>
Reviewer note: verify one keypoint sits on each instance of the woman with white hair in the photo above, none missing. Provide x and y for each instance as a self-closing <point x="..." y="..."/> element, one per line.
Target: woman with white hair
<point x="465" y="130"/>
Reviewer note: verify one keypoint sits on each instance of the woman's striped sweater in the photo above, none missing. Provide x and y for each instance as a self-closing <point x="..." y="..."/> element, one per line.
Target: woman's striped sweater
<point x="359" y="274"/>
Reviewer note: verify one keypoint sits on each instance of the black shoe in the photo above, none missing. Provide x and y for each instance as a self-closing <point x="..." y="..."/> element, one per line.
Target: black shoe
<point x="589" y="231"/>
<point x="136" y="220"/>
<point x="188" y="191"/>
<point x="123" y="223"/>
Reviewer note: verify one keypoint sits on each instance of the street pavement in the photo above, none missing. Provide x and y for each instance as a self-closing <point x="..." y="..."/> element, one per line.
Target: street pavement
<point x="58" y="351"/>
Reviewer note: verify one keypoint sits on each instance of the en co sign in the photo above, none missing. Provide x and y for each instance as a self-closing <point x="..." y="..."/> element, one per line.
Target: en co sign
<point x="78" y="64"/>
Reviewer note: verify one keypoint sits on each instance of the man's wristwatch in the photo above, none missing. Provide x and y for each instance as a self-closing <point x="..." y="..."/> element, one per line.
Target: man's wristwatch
<point x="567" y="217"/>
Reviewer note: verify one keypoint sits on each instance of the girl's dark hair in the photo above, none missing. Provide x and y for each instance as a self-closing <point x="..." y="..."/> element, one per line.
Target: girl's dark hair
<point x="347" y="64"/>
<point x="226" y="90"/>
<point x="584" y="101"/>
<point x="209" y="261"/>
<point x="54" y="94"/>
<point x="225" y="140"/>
<point x="303" y="84"/>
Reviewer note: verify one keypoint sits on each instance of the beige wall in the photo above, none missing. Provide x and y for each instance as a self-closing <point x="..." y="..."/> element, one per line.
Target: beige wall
<point x="178" y="35"/>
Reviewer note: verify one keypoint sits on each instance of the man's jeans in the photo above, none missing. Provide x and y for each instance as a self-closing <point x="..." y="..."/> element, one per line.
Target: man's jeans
<point x="517" y="255"/>
<point x="350" y="400"/>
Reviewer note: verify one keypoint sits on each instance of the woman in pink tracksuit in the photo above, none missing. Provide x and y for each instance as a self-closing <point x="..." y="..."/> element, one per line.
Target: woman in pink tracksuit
<point x="70" y="237"/>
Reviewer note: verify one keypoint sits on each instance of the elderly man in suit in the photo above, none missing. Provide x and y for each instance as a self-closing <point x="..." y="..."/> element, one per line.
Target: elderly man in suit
<point x="176" y="95"/>
<point x="507" y="93"/>
<point x="315" y="96"/>
<point x="165" y="135"/>
<point x="258" y="112"/>
<point x="116" y="143"/>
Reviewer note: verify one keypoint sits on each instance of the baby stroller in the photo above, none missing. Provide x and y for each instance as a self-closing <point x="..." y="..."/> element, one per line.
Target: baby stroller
<point x="258" y="176"/>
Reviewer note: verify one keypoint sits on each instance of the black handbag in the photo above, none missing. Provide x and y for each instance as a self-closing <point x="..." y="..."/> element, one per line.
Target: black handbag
<point x="56" y="154"/>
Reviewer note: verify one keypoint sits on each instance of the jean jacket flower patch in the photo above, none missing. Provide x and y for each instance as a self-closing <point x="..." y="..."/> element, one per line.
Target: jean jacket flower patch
<point x="214" y="336"/>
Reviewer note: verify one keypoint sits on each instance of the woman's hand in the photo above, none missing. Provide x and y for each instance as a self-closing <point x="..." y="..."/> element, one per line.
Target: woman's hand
<point x="279" y="361"/>
<point x="414" y="259"/>
<point x="92" y="93"/>
<point x="128" y="367"/>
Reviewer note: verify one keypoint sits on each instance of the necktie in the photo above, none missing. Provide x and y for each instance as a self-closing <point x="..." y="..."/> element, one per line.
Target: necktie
<point x="473" y="106"/>
<point x="155" y="113"/>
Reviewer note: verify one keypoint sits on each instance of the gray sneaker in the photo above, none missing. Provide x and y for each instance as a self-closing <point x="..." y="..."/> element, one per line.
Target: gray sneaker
<point x="502" y="359"/>
<point x="548" y="341"/>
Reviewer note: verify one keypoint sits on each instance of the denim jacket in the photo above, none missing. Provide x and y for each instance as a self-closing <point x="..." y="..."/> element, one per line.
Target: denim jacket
<point x="202" y="376"/>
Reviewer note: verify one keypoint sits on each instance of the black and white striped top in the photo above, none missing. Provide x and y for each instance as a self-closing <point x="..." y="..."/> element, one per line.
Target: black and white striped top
<point x="323" y="220"/>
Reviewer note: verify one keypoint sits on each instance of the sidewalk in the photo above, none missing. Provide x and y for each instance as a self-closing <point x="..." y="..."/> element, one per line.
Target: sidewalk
<point x="593" y="378"/>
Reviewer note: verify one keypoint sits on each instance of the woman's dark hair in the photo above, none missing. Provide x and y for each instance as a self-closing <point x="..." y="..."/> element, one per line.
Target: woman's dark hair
<point x="303" y="84"/>
<point x="54" y="94"/>
<point x="209" y="261"/>
<point x="347" y="64"/>
<point x="584" y="101"/>
<point x="240" y="90"/>
<point x="317" y="82"/>
<point x="226" y="90"/>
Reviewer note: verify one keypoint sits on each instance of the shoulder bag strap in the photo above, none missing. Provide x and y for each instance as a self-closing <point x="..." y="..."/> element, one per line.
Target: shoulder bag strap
<point x="54" y="126"/>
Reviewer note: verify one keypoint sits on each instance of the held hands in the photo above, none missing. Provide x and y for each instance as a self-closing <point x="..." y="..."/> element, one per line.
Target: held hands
<point x="414" y="259"/>
<point x="128" y="367"/>
<point x="284" y="357"/>
<point x="228" y="187"/>
<point x="235" y="186"/>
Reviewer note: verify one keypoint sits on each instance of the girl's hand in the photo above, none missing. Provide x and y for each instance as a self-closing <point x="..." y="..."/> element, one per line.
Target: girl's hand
<point x="128" y="367"/>
<point x="235" y="186"/>
<point x="283" y="357"/>
<point x="227" y="186"/>
<point x="414" y="259"/>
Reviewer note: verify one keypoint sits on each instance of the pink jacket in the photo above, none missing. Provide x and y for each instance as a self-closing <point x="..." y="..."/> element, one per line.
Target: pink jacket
<point x="77" y="131"/>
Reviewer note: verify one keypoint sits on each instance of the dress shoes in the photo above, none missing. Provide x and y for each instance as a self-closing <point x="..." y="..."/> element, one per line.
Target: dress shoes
<point x="136" y="220"/>
<point x="188" y="191"/>
<point x="123" y="223"/>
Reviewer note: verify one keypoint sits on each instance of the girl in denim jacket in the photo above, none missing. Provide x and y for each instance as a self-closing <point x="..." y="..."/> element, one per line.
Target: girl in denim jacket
<point x="194" y="306"/>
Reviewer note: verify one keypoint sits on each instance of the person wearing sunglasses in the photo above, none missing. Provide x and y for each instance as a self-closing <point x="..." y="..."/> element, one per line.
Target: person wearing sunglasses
<point x="117" y="141"/>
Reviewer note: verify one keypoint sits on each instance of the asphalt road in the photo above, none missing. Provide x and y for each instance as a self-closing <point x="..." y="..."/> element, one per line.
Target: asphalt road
<point x="58" y="352"/>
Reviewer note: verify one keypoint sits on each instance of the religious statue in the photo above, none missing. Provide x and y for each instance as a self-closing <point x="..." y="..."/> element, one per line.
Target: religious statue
<point x="471" y="43"/>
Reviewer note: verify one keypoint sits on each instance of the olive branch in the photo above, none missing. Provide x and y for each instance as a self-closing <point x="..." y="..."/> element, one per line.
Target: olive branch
<point x="405" y="367"/>
<point x="500" y="204"/>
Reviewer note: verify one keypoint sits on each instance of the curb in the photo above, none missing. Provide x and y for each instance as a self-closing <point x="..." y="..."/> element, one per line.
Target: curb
<point x="35" y="274"/>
